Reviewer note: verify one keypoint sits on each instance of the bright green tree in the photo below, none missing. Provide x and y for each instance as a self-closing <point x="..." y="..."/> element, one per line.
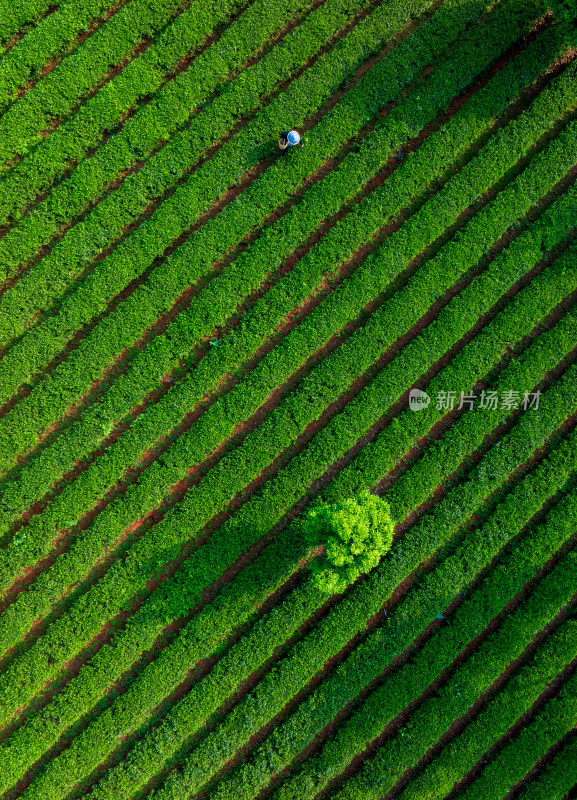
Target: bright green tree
<point x="357" y="532"/>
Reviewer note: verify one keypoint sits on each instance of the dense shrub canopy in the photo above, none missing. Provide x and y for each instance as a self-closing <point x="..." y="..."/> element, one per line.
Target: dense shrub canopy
<point x="565" y="12"/>
<point x="357" y="531"/>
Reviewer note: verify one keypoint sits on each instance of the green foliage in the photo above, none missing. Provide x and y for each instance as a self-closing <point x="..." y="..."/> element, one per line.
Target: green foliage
<point x="453" y="763"/>
<point x="221" y="298"/>
<point x="565" y="19"/>
<point x="356" y="533"/>
<point x="53" y="37"/>
<point x="358" y="530"/>
<point x="470" y="681"/>
<point x="364" y="664"/>
<point x="194" y="259"/>
<point x="554" y="407"/>
<point x="101" y="113"/>
<point x="565" y="11"/>
<point x="558" y="777"/>
<point x="508" y="575"/>
<point x="323" y="385"/>
<point x="202" y="503"/>
<point x="166" y="350"/>
<point x="531" y="744"/>
<point x="275" y="564"/>
<point x="59" y="92"/>
<point x="16" y="17"/>
<point x="251" y="588"/>
<point x="172" y="106"/>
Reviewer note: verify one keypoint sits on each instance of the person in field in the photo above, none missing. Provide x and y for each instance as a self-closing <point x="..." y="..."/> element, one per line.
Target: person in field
<point x="289" y="139"/>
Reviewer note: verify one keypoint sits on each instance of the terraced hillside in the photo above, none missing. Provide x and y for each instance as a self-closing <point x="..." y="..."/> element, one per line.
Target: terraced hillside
<point x="201" y="339"/>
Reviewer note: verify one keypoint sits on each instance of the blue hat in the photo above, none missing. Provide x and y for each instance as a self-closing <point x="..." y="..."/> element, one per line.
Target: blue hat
<point x="293" y="137"/>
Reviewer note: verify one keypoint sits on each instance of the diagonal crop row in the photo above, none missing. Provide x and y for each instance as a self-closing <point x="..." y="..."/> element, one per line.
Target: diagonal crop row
<point x="318" y="385"/>
<point x="255" y="577"/>
<point x="350" y="614"/>
<point x="503" y="737"/>
<point x="176" y="215"/>
<point x="435" y="592"/>
<point x="558" y="778"/>
<point x="470" y="681"/>
<point x="210" y="242"/>
<point x="197" y="706"/>
<point x="512" y="702"/>
<point x="16" y="614"/>
<point x="53" y="274"/>
<point x="191" y="199"/>
<point x="382" y="454"/>
<point x="105" y="111"/>
<point x="76" y="442"/>
<point x="259" y="644"/>
<point x="175" y="104"/>
<point x="499" y="587"/>
<point x="197" y="574"/>
<point x="468" y="434"/>
<point x="518" y="320"/>
<point x="307" y="657"/>
<point x="409" y="491"/>
<point x="515" y="760"/>
<point x="140" y="136"/>
<point x="53" y="36"/>
<point x="290" y="419"/>
<point x="232" y="538"/>
<point x="108" y="738"/>
<point x="58" y="93"/>
<point x="417" y="251"/>
<point x="503" y="711"/>
<point x="320" y="327"/>
<point x="15" y="17"/>
<point x="412" y="489"/>
<point x="148" y="695"/>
